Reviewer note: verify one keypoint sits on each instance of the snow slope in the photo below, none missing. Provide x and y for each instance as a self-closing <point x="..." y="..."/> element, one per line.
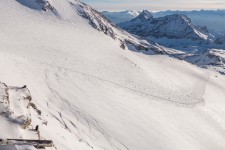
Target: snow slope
<point x="94" y="95"/>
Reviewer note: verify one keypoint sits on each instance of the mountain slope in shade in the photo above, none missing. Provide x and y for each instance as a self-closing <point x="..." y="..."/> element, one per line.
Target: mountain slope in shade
<point x="220" y="40"/>
<point x="173" y="26"/>
<point x="94" y="95"/>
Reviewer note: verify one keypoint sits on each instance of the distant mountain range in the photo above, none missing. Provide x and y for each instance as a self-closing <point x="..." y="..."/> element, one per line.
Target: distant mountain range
<point x="201" y="17"/>
<point x="174" y="26"/>
<point x="177" y="31"/>
<point x="174" y="31"/>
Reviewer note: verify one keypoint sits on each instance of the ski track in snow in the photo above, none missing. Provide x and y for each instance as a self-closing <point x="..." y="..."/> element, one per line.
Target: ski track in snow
<point x="200" y="87"/>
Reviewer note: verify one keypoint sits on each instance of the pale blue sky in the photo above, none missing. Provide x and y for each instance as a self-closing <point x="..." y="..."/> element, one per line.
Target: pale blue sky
<point x="155" y="5"/>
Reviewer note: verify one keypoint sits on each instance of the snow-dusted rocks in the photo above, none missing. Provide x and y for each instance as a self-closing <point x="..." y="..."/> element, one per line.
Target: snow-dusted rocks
<point x="17" y="111"/>
<point x="213" y="57"/>
<point x="4" y="99"/>
<point x="210" y="58"/>
<point x="172" y="26"/>
<point x="95" y="18"/>
<point x="38" y="5"/>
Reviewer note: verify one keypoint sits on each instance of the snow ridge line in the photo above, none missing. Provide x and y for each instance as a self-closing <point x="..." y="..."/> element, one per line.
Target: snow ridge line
<point x="130" y="89"/>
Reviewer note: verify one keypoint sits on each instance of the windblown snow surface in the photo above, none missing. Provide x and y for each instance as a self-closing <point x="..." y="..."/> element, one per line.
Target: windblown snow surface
<point x="94" y="95"/>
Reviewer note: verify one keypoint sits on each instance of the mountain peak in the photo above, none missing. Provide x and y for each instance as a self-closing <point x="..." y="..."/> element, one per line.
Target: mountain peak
<point x="177" y="17"/>
<point x="132" y="12"/>
<point x="145" y="15"/>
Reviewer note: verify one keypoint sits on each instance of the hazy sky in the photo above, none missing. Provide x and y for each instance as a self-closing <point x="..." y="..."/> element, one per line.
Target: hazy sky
<point x="155" y="5"/>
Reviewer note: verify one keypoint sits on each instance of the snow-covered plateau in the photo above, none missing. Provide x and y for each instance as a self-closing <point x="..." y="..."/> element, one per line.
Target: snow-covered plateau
<point x="86" y="85"/>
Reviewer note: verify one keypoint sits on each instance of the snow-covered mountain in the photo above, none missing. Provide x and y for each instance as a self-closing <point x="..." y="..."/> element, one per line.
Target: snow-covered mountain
<point x="214" y="19"/>
<point x="198" y="17"/>
<point x="87" y="93"/>
<point x="172" y="26"/>
<point x="125" y="39"/>
<point x="174" y="31"/>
